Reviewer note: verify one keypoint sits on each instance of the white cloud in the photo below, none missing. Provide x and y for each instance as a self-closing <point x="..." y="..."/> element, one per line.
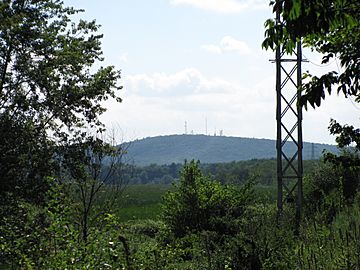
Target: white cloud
<point x="223" y="6"/>
<point x="212" y="48"/>
<point x="159" y="103"/>
<point x="228" y="44"/>
<point x="231" y="44"/>
<point x="184" y="82"/>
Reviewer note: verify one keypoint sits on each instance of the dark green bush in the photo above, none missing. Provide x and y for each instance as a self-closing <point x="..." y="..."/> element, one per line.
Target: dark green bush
<point x="329" y="188"/>
<point x="200" y="204"/>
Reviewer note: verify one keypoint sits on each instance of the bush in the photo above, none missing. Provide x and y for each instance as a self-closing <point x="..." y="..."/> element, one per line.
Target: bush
<point x="329" y="188"/>
<point x="200" y="204"/>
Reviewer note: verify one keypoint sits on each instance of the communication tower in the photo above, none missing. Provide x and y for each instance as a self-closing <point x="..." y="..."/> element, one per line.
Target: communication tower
<point x="206" y="131"/>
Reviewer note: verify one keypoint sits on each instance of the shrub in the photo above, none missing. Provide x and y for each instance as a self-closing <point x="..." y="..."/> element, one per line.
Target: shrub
<point x="199" y="204"/>
<point x="329" y="188"/>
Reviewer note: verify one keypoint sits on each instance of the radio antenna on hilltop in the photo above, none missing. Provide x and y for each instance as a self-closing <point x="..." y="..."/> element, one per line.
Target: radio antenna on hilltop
<point x="206" y="125"/>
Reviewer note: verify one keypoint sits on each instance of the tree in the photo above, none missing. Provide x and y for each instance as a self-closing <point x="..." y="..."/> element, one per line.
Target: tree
<point x="93" y="170"/>
<point x="200" y="204"/>
<point x="332" y="28"/>
<point x="50" y="96"/>
<point x="48" y="92"/>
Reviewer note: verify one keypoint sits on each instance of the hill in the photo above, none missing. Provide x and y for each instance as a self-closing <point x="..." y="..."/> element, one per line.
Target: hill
<point x="211" y="149"/>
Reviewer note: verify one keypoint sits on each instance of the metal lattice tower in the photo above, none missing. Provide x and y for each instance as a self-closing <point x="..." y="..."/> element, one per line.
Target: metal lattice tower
<point x="289" y="143"/>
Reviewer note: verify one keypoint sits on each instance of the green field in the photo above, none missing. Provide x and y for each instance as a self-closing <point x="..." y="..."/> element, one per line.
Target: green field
<point x="141" y="202"/>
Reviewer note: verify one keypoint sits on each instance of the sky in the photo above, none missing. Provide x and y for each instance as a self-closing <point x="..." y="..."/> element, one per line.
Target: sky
<point x="199" y="62"/>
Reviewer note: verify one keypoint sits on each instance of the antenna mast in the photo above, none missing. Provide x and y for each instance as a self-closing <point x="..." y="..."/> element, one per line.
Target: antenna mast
<point x="206" y="132"/>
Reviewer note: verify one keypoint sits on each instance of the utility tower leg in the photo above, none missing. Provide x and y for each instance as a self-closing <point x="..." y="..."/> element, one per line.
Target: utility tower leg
<point x="289" y="141"/>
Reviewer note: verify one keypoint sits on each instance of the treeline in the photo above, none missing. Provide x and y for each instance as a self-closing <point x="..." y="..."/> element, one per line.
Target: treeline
<point x="263" y="171"/>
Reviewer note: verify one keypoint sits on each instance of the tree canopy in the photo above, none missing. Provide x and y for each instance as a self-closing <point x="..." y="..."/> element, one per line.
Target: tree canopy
<point x="330" y="27"/>
<point x="50" y="92"/>
<point x="51" y="97"/>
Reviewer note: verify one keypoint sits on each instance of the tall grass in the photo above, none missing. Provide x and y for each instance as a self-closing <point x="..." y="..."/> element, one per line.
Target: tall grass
<point x="139" y="202"/>
<point x="332" y="247"/>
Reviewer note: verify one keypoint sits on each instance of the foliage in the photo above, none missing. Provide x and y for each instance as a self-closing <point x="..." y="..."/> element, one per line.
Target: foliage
<point x="272" y="237"/>
<point x="47" y="238"/>
<point x="261" y="240"/>
<point x="52" y="170"/>
<point x="199" y="204"/>
<point x="348" y="138"/>
<point x="347" y="135"/>
<point x="236" y="172"/>
<point x="50" y="96"/>
<point x="336" y="246"/>
<point x="329" y="188"/>
<point x="48" y="91"/>
<point x="331" y="28"/>
<point x="21" y="227"/>
<point x="94" y="186"/>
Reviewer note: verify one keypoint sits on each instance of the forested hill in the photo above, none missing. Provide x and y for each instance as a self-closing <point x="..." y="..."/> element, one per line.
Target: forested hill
<point x="210" y="149"/>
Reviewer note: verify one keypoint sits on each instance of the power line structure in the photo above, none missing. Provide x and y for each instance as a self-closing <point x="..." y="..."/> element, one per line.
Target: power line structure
<point x="319" y="65"/>
<point x="289" y="128"/>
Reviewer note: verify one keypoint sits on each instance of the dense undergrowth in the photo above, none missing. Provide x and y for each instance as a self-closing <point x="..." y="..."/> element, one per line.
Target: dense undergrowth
<point x="202" y="225"/>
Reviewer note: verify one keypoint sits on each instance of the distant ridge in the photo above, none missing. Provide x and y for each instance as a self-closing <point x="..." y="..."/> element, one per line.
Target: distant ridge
<point x="211" y="149"/>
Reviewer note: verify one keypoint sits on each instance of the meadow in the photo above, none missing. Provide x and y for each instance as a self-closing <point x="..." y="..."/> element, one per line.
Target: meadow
<point x="142" y="202"/>
<point x="139" y="202"/>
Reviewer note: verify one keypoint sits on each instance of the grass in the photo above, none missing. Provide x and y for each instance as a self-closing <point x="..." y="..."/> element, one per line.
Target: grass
<point x="141" y="202"/>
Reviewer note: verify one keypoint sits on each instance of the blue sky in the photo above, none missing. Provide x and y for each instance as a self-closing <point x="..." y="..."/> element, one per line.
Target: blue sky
<point x="191" y="60"/>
